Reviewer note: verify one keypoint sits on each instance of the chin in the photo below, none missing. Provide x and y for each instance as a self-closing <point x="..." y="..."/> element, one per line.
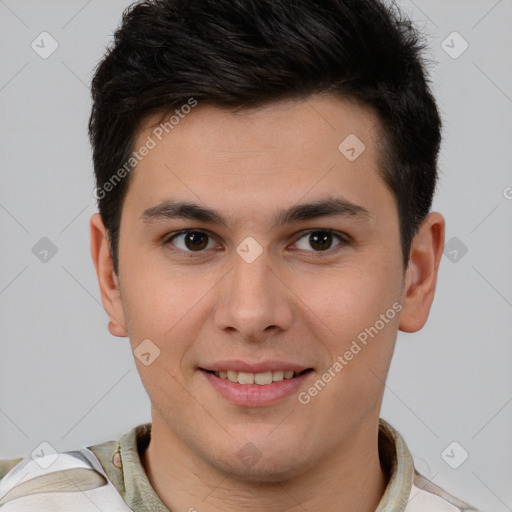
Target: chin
<point x="249" y="464"/>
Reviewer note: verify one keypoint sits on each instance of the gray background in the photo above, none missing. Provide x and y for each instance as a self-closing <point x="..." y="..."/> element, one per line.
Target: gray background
<point x="65" y="380"/>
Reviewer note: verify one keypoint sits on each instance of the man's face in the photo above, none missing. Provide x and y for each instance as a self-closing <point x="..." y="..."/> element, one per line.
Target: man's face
<point x="257" y="294"/>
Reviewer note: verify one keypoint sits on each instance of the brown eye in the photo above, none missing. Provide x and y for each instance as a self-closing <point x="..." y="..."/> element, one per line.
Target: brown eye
<point x="320" y="240"/>
<point x="192" y="241"/>
<point x="195" y="240"/>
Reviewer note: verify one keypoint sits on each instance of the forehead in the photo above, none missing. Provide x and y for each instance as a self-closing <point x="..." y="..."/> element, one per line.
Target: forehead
<point x="308" y="120"/>
<point x="278" y="152"/>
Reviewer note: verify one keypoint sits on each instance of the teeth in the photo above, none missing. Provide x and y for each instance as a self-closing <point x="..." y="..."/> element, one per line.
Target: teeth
<point x="278" y="376"/>
<point x="245" y="378"/>
<point x="261" y="379"/>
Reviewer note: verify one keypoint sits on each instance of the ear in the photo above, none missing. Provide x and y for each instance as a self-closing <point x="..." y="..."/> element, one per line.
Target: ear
<point x="421" y="274"/>
<point x="107" y="279"/>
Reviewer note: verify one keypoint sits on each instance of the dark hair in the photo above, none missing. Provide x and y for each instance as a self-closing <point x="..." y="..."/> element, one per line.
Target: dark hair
<point x="247" y="53"/>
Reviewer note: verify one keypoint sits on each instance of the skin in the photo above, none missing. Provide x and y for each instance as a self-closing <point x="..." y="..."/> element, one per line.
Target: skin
<point x="294" y="302"/>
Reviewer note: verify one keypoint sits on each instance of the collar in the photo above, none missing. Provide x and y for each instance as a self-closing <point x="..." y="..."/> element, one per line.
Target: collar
<point x="122" y="464"/>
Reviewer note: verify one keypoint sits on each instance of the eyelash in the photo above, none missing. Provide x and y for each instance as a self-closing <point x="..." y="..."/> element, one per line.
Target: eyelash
<point x="343" y="239"/>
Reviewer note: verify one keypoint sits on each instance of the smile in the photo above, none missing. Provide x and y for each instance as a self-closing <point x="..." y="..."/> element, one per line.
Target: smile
<point x="262" y="379"/>
<point x="261" y="389"/>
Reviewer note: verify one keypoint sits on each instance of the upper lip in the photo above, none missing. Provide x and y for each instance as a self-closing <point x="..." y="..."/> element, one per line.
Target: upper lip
<point x="260" y="367"/>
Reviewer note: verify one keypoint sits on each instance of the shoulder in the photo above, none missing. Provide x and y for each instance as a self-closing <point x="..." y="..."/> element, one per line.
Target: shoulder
<point x="426" y="496"/>
<point x="407" y="487"/>
<point x="57" y="482"/>
<point x="7" y="464"/>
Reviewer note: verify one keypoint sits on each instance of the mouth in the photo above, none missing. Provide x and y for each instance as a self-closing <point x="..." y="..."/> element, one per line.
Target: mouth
<point x="261" y="379"/>
<point x="261" y="389"/>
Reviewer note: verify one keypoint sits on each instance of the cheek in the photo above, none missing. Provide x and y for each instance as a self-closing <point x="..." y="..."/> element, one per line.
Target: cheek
<point x="356" y="319"/>
<point x="345" y="301"/>
<point x="161" y="307"/>
<point x="156" y="305"/>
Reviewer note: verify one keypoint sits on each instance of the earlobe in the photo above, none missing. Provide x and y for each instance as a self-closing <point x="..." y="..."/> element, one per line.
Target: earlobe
<point x="116" y="329"/>
<point x="107" y="280"/>
<point x="421" y="273"/>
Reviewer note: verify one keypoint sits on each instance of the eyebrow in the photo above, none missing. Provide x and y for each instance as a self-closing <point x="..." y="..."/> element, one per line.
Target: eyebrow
<point x="338" y="206"/>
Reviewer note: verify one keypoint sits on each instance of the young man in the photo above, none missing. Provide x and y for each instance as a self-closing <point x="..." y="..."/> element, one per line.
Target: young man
<point x="265" y="172"/>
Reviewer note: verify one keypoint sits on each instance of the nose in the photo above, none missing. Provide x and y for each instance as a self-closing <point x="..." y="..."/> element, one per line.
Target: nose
<point x="254" y="300"/>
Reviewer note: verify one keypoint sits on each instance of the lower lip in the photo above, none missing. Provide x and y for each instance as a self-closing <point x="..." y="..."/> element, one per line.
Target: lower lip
<point x="254" y="395"/>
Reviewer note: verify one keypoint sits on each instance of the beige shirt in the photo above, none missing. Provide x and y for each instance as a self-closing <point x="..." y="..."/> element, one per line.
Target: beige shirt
<point x="406" y="491"/>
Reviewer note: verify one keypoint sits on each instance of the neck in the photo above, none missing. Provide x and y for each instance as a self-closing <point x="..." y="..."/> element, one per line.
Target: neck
<point x="351" y="480"/>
